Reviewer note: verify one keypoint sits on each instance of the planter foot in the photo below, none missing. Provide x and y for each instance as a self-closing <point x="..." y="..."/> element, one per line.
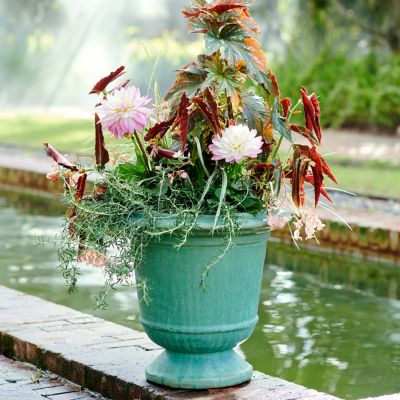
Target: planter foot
<point x="199" y="371"/>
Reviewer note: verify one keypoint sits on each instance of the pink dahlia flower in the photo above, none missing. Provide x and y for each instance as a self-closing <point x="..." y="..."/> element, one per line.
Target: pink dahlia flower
<point x="123" y="111"/>
<point x="236" y="143"/>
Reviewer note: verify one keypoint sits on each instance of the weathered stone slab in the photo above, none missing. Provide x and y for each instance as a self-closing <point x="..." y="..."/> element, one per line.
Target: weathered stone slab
<point x="105" y="357"/>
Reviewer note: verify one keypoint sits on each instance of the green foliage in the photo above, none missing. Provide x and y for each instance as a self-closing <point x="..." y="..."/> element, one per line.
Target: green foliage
<point x="220" y="76"/>
<point x="230" y="40"/>
<point x="188" y="81"/>
<point x="254" y="109"/>
<point x="362" y="92"/>
<point x="172" y="173"/>
<point x="133" y="211"/>
<point x="233" y="33"/>
<point x="279" y="124"/>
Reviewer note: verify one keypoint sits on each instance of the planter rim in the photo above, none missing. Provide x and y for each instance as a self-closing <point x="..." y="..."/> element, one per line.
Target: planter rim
<point x="205" y="222"/>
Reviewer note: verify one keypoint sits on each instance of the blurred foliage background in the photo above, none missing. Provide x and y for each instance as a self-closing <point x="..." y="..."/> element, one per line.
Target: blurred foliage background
<point x="348" y="51"/>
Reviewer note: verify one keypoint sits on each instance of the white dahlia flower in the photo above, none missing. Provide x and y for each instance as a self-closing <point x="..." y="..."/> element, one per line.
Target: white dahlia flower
<point x="236" y="143"/>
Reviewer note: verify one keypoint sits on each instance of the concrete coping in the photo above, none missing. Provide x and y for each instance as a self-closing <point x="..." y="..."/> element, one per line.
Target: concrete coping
<point x="108" y="358"/>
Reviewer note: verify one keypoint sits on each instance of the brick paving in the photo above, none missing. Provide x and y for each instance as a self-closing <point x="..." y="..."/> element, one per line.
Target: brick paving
<point x="108" y="358"/>
<point x="20" y="381"/>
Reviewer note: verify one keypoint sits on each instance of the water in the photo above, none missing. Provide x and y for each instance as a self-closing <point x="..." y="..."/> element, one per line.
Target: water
<point x="326" y="322"/>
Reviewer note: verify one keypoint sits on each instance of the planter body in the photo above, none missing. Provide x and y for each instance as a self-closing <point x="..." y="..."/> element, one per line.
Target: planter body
<point x="199" y="328"/>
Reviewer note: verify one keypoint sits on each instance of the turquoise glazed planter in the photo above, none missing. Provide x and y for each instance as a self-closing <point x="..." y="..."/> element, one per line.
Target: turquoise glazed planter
<point x="199" y="328"/>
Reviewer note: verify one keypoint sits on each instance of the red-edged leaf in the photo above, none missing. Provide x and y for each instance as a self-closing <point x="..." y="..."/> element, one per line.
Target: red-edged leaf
<point x="317" y="174"/>
<point x="312" y="112"/>
<point x="157" y="153"/>
<point x="327" y="171"/>
<point x="303" y="131"/>
<point x="212" y="119"/>
<point x="80" y="187"/>
<point x="310" y="179"/>
<point x="166" y="153"/>
<point x="188" y="81"/>
<point x="315" y="102"/>
<point x="102" y="156"/>
<point x="79" y="193"/>
<point x="191" y="14"/>
<point x="275" y="85"/>
<point x="308" y="109"/>
<point x="324" y="167"/>
<point x="213" y="105"/>
<point x="318" y="180"/>
<point x="160" y="129"/>
<point x="59" y="158"/>
<point x="317" y="122"/>
<point x="183" y="115"/>
<point x="300" y="170"/>
<point x="309" y="123"/>
<point x="219" y="9"/>
<point x="262" y="168"/>
<point x="286" y="103"/>
<point x="104" y="82"/>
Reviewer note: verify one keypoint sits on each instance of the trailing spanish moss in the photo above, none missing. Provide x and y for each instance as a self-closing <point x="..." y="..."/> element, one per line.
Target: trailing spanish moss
<point x="119" y="224"/>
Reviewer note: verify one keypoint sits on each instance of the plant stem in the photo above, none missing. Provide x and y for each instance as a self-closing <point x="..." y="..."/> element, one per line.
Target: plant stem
<point x="142" y="149"/>
<point x="276" y="150"/>
<point x="300" y="101"/>
<point x="278" y="146"/>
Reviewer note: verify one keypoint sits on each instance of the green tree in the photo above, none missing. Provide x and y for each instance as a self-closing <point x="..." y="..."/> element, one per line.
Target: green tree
<point x="378" y="18"/>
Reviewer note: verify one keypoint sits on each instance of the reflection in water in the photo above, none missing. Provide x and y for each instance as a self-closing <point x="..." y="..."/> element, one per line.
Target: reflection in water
<point x="33" y="269"/>
<point x="333" y="340"/>
<point x="321" y="322"/>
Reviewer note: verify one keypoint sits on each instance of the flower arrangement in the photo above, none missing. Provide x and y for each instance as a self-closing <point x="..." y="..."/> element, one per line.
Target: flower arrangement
<point x="211" y="146"/>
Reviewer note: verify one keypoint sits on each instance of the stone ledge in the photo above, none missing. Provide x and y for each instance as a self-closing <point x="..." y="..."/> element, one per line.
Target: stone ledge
<point x="108" y="358"/>
<point x="374" y="235"/>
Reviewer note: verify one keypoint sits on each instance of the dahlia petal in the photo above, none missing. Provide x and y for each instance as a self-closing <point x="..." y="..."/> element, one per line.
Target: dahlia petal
<point x="235" y="144"/>
<point x="140" y="119"/>
<point x="123" y="111"/>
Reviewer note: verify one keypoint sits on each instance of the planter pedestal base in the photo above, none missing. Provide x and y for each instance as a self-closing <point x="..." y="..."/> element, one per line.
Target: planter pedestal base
<point x="199" y="371"/>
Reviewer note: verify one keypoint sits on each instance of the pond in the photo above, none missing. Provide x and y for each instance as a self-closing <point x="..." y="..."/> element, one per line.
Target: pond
<point x="327" y="322"/>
